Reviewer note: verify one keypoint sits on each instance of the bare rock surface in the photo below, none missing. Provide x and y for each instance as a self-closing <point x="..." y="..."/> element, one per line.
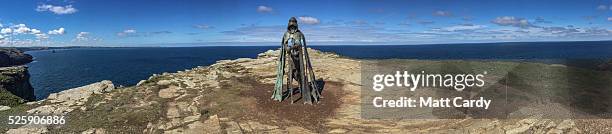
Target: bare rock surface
<point x="61" y="103"/>
<point x="2" y="108"/>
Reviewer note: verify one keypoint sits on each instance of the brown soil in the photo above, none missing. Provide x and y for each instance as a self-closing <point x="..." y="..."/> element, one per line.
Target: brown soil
<point x="284" y="113"/>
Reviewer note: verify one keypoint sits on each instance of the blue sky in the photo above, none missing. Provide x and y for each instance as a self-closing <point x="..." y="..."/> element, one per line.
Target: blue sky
<point x="230" y="22"/>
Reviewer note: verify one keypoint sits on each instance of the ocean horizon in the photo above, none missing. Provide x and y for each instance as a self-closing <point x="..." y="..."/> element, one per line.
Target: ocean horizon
<point x="60" y="69"/>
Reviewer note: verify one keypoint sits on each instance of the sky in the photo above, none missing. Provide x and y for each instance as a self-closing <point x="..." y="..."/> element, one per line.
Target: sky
<point x="338" y="22"/>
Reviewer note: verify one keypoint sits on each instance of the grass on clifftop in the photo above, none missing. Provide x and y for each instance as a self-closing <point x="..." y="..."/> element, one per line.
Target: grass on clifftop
<point x="9" y="99"/>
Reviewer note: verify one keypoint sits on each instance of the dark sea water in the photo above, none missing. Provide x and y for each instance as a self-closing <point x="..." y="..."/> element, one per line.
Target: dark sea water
<point x="69" y="68"/>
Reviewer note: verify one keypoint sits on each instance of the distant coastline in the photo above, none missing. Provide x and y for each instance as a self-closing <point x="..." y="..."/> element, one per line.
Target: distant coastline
<point x="25" y="49"/>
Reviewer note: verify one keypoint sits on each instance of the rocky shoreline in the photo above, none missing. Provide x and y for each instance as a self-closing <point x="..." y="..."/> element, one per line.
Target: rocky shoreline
<point x="233" y="96"/>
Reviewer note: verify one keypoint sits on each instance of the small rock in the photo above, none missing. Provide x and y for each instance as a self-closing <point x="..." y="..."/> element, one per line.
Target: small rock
<point x="2" y="108"/>
<point x="191" y="118"/>
<point x="164" y="82"/>
<point x="338" y="130"/>
<point x="141" y="82"/>
<point x="245" y="127"/>
<point x="212" y="125"/>
<point x="94" y="131"/>
<point x="298" y="130"/>
<point x="168" y="92"/>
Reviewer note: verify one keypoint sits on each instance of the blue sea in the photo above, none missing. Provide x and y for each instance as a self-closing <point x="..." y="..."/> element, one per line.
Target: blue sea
<point x="69" y="68"/>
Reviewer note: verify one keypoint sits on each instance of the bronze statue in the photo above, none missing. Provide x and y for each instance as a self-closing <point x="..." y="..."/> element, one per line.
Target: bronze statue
<point x="293" y="45"/>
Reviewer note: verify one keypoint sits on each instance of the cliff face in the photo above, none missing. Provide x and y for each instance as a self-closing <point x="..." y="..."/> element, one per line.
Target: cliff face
<point x="15" y="86"/>
<point x="11" y="57"/>
<point x="233" y="96"/>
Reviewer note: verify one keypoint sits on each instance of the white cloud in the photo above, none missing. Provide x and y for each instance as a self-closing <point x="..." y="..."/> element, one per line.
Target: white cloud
<point x="602" y="7"/>
<point x="442" y="13"/>
<point x="82" y="36"/>
<point x="56" y="9"/>
<point x="129" y="31"/>
<point x="6" y="31"/>
<point x="35" y="31"/>
<point x="11" y="35"/>
<point x="41" y="36"/>
<point x="264" y="9"/>
<point x="126" y="32"/>
<point x="512" y="21"/>
<point x="309" y="20"/>
<point x="59" y="31"/>
<point x="609" y="18"/>
<point x="203" y="26"/>
<point x="466" y="27"/>
<point x="21" y="29"/>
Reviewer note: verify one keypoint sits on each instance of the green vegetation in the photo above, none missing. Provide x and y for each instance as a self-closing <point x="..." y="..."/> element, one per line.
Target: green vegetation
<point x="9" y="99"/>
<point x="17" y="110"/>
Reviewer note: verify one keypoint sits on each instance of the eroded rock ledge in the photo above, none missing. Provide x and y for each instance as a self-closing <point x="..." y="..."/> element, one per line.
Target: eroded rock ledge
<point x="15" y="86"/>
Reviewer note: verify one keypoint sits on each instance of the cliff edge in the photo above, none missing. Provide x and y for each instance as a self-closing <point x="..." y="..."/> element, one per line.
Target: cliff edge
<point x="15" y="86"/>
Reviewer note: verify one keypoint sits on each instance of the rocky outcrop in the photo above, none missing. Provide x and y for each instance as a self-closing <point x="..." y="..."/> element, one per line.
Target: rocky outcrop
<point x="62" y="103"/>
<point x="15" y="85"/>
<point x="12" y="57"/>
<point x="68" y="100"/>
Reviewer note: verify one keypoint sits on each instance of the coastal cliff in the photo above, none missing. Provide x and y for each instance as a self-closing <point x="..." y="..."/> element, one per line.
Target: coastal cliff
<point x="233" y="96"/>
<point x="15" y="85"/>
